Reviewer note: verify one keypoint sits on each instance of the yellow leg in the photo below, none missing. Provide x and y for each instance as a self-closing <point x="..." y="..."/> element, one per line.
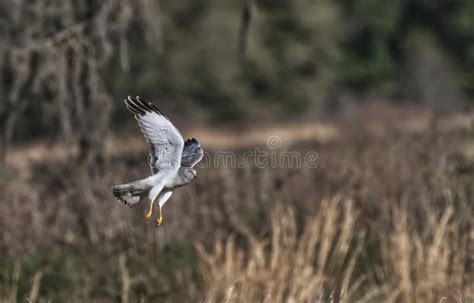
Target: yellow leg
<point x="159" y="220"/>
<point x="150" y="211"/>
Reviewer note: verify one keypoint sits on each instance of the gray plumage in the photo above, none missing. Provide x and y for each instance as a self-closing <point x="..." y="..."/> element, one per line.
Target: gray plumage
<point x="171" y="159"/>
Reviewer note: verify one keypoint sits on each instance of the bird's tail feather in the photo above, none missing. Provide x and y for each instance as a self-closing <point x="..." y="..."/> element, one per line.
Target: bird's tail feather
<point x="129" y="194"/>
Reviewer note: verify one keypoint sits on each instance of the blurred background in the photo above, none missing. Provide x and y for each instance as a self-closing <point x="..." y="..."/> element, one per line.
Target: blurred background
<point x="381" y="91"/>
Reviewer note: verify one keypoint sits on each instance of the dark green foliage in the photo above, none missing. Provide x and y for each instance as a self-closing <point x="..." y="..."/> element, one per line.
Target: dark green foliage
<point x="374" y="52"/>
<point x="66" y="272"/>
<point x="298" y="54"/>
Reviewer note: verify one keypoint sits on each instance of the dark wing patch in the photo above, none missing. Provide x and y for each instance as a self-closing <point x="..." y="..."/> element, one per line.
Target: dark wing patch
<point x="192" y="153"/>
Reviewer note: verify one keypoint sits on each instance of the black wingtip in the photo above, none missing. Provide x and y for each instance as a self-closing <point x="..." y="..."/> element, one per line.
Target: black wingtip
<point x="139" y="106"/>
<point x="133" y="106"/>
<point x="191" y="141"/>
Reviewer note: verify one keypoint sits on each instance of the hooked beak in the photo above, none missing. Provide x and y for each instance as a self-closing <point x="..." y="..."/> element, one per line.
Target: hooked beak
<point x="194" y="173"/>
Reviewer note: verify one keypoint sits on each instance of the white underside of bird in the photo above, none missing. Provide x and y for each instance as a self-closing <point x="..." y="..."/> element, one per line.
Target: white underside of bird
<point x="171" y="159"/>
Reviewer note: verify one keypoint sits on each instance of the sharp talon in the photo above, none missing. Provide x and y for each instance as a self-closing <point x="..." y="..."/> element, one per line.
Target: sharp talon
<point x="149" y="213"/>
<point x="159" y="220"/>
<point x="147" y="216"/>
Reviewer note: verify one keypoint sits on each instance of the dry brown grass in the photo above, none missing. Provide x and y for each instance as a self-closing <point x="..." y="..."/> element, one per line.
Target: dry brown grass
<point x="319" y="264"/>
<point x="313" y="265"/>
<point x="382" y="219"/>
<point x="429" y="265"/>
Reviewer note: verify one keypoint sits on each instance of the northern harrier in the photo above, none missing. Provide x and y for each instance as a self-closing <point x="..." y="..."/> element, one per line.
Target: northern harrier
<point x="171" y="159"/>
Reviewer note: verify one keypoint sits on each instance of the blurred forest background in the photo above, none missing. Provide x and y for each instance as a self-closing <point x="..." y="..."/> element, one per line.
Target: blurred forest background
<point x="381" y="89"/>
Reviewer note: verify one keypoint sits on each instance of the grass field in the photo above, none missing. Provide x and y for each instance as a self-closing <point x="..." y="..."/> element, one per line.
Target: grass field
<point x="386" y="215"/>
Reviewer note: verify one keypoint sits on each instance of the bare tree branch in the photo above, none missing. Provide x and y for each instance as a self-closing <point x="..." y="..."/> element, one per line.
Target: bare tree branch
<point x="245" y="20"/>
<point x="58" y="56"/>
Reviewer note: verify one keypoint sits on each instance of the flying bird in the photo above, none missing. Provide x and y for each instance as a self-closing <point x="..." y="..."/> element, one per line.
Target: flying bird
<point x="171" y="159"/>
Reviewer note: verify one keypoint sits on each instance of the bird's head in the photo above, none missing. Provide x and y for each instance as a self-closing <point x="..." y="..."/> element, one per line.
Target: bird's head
<point x="190" y="174"/>
<point x="194" y="173"/>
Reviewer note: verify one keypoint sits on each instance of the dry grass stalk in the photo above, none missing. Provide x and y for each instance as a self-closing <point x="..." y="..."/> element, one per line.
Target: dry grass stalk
<point x="35" y="287"/>
<point x="430" y="265"/>
<point x="294" y="267"/>
<point x="411" y="204"/>
<point x="9" y="292"/>
<point x="125" y="297"/>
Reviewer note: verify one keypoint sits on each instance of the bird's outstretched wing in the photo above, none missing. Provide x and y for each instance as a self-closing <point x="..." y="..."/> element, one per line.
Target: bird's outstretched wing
<point x="192" y="153"/>
<point x="165" y="141"/>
